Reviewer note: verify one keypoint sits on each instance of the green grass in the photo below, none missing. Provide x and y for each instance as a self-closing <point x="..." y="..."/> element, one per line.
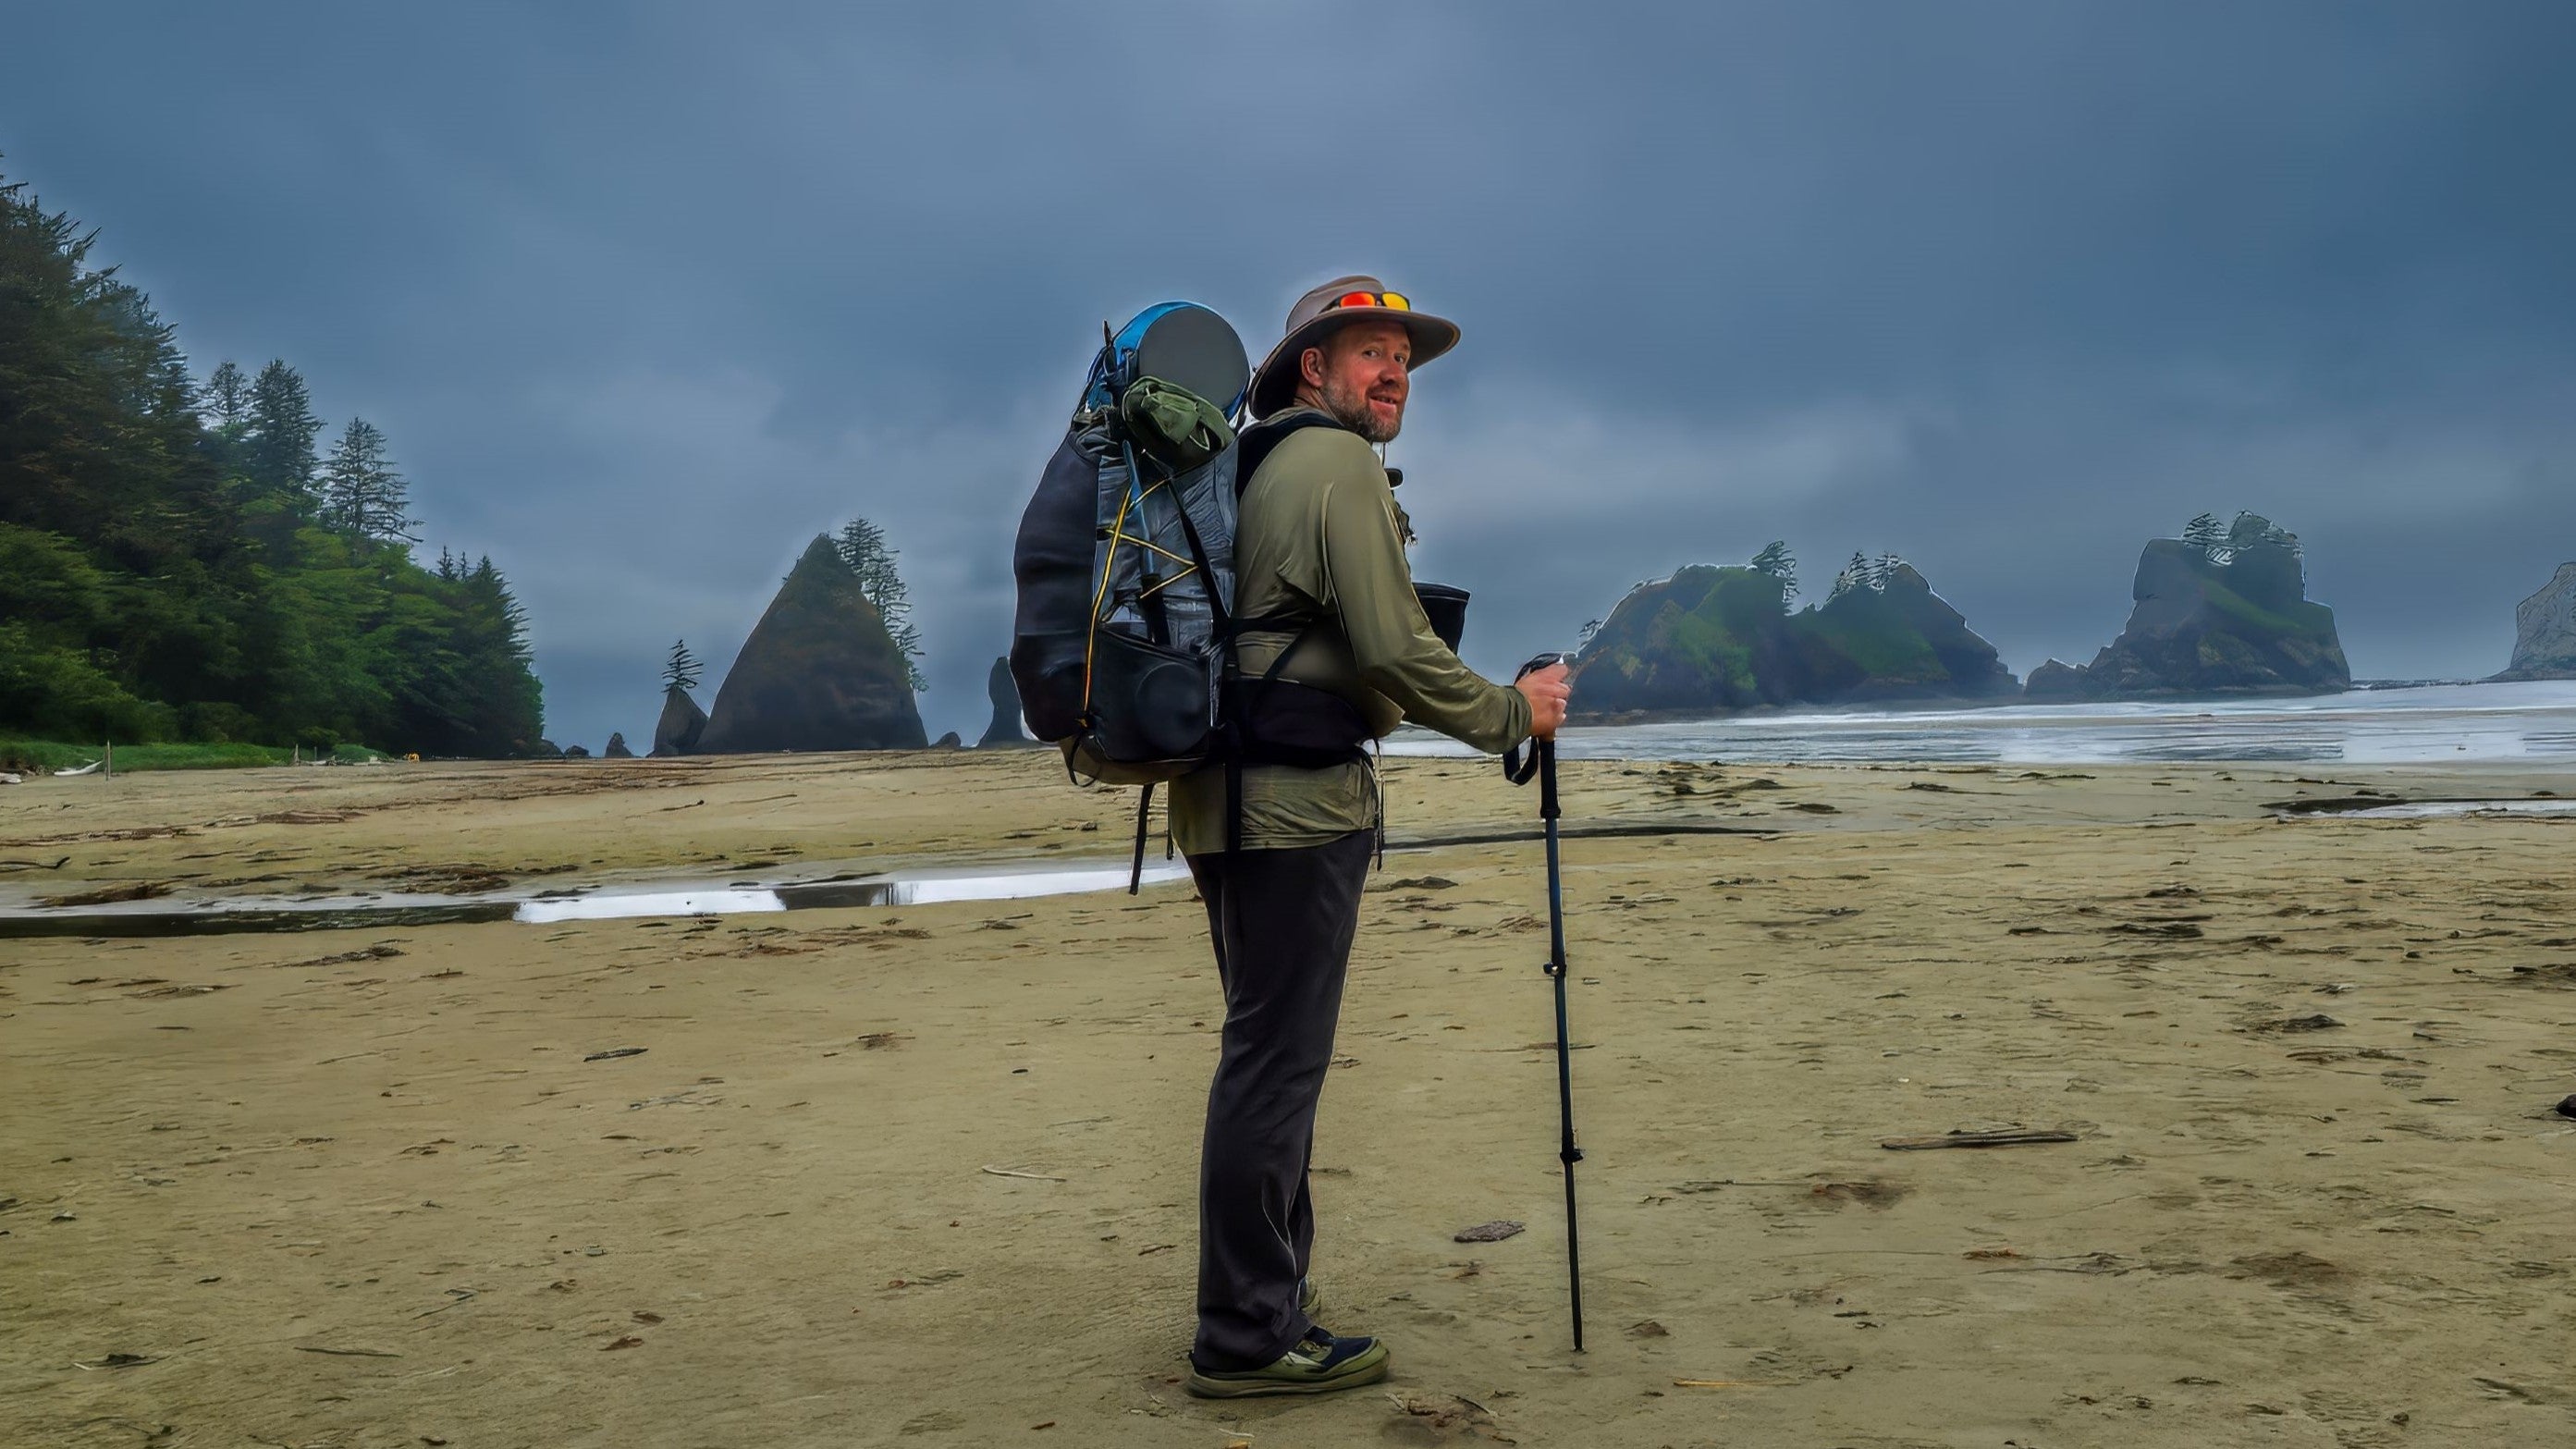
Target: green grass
<point x="2312" y="619"/>
<point x="1868" y="629"/>
<point x="35" y="756"/>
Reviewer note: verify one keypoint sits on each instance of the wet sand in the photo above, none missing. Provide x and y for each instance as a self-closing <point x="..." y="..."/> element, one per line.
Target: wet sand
<point x="926" y="1175"/>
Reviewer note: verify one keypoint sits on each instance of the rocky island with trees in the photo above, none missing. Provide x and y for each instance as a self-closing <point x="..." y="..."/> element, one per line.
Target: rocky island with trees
<point x="2222" y="610"/>
<point x="833" y="664"/>
<point x="1718" y="639"/>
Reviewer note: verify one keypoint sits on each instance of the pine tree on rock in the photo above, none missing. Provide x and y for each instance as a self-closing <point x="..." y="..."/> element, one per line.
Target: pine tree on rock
<point x="1774" y="559"/>
<point x="681" y="722"/>
<point x="864" y="548"/>
<point x="1854" y="575"/>
<point x="2253" y="530"/>
<point x="680" y="672"/>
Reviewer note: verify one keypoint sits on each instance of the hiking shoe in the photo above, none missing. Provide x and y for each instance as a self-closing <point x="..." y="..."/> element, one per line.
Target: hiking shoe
<point x="1319" y="1364"/>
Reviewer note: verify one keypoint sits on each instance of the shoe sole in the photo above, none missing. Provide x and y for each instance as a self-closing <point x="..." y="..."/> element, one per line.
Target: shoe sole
<point x="1367" y="1369"/>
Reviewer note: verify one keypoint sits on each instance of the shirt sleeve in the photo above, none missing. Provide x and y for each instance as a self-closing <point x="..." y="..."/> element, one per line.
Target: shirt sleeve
<point x="1370" y="587"/>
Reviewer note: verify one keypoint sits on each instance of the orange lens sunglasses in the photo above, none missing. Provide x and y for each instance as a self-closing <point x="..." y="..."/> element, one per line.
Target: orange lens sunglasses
<point x="1395" y="301"/>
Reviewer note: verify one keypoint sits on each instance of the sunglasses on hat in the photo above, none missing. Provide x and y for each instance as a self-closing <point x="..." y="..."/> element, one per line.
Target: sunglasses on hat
<point x="1394" y="301"/>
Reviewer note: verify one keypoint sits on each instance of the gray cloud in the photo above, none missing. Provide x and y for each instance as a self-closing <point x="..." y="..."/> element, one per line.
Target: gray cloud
<point x="646" y="297"/>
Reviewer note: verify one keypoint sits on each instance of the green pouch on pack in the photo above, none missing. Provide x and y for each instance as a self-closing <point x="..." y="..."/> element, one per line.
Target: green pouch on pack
<point x="1178" y="427"/>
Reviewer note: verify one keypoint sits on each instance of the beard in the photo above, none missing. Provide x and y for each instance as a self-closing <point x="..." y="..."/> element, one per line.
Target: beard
<point x="1350" y="407"/>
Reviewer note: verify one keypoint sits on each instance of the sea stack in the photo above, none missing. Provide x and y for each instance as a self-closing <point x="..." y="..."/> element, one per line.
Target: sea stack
<point x="1004" y="733"/>
<point x="617" y="748"/>
<point x="2213" y="615"/>
<point x="1710" y="640"/>
<point x="2544" y="637"/>
<point x="819" y="672"/>
<point x="681" y="724"/>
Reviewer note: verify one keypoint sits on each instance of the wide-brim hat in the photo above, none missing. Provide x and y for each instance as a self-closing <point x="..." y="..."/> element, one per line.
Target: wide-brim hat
<point x="1324" y="311"/>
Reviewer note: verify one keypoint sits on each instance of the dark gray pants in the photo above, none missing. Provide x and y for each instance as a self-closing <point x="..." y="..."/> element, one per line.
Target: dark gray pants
<point x="1282" y="922"/>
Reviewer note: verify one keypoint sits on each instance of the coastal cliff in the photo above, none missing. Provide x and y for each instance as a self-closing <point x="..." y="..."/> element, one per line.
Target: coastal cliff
<point x="2544" y="638"/>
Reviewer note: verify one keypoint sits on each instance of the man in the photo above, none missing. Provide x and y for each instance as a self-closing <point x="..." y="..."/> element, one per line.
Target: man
<point x="1279" y="850"/>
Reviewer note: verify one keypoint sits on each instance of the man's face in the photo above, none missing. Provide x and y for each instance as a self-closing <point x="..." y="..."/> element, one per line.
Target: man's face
<point x="1363" y="373"/>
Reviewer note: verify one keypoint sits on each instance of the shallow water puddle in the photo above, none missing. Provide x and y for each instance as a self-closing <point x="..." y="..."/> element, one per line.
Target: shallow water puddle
<point x="178" y="916"/>
<point x="2436" y="809"/>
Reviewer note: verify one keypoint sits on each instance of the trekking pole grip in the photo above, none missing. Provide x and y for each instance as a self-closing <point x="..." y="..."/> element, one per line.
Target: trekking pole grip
<point x="1519" y="770"/>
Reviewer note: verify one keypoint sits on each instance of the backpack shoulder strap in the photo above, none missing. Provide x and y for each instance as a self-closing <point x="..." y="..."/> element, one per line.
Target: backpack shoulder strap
<point x="1254" y="443"/>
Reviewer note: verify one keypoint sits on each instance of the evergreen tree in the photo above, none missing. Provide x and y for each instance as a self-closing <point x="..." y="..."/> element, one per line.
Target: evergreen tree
<point x="864" y="548"/>
<point x="1774" y="560"/>
<point x="2204" y="533"/>
<point x="1854" y="575"/>
<point x="142" y="597"/>
<point x="228" y="401"/>
<point x="283" y="427"/>
<point x="362" y="495"/>
<point x="681" y="672"/>
<point x="510" y="718"/>
<point x="2253" y="530"/>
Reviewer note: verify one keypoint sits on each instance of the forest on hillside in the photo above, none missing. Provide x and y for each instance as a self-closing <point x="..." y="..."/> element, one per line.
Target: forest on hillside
<point x="183" y="558"/>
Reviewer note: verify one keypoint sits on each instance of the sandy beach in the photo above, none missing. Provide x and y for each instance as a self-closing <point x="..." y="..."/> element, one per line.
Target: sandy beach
<point x="926" y="1175"/>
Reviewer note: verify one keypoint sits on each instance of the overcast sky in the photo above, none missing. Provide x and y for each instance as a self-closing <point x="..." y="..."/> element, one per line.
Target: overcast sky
<point x="646" y="296"/>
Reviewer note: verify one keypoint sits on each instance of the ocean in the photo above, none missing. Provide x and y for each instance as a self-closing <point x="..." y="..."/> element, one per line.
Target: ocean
<point x="2529" y="723"/>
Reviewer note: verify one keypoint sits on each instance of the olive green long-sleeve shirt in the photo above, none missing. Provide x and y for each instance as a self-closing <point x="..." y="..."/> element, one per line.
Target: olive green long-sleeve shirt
<point x="1317" y="537"/>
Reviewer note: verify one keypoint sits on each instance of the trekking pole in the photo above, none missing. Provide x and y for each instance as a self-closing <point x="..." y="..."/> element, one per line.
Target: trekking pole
<point x="1542" y="763"/>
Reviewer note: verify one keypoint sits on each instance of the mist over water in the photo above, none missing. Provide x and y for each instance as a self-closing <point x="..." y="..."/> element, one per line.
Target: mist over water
<point x="2532" y="722"/>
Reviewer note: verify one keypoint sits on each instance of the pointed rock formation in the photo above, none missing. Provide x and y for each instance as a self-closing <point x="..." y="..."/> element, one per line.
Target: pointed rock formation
<point x="2054" y="682"/>
<point x="617" y="748"/>
<point x="2544" y="640"/>
<point x="2229" y="617"/>
<point x="1004" y="733"/>
<point x="1711" y="640"/>
<point x="819" y="672"/>
<point x="681" y="724"/>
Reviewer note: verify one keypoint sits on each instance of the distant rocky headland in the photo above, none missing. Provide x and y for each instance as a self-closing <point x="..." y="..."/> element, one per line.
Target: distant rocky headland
<point x="2221" y="611"/>
<point x="2544" y="636"/>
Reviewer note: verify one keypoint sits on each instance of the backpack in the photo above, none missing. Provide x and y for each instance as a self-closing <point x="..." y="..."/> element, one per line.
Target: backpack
<point x="1123" y="641"/>
<point x="1125" y="557"/>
